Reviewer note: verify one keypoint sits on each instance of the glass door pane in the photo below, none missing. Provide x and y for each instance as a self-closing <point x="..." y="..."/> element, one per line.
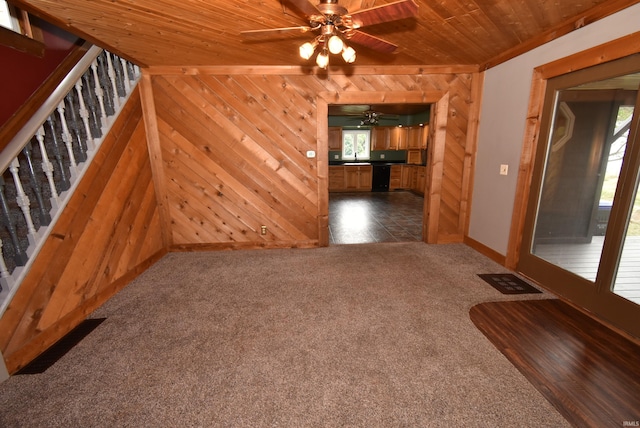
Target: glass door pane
<point x="587" y="142"/>
<point x="581" y="235"/>
<point x="627" y="281"/>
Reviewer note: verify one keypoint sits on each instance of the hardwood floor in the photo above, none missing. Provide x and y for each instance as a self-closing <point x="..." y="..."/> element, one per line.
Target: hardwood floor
<point x="588" y="372"/>
<point x="583" y="260"/>
<point x="368" y="217"/>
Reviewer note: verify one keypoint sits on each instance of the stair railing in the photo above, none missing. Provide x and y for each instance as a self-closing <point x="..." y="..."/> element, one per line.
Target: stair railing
<point x="43" y="164"/>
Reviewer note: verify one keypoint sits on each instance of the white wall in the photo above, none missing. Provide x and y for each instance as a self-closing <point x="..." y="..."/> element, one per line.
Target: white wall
<point x="4" y="374"/>
<point x="502" y="123"/>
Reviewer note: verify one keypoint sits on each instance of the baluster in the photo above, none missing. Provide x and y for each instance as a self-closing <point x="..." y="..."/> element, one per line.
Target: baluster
<point x="84" y="115"/>
<point x="99" y="93"/>
<point x="43" y="215"/>
<point x="82" y="152"/>
<point x="117" y="66"/>
<point x="23" y="200"/>
<point x="113" y="78"/>
<point x="20" y="257"/>
<point x="105" y="84"/>
<point x="93" y="107"/>
<point x="64" y="180"/>
<point x="47" y="168"/>
<point x="66" y="138"/>
<point x="126" y="78"/>
<point x="4" y="272"/>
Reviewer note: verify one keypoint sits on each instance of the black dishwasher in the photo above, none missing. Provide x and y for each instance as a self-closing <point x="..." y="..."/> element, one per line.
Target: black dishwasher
<point x="380" y="180"/>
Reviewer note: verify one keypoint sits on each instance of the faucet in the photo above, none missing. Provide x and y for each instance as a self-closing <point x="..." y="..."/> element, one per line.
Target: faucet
<point x="356" y="157"/>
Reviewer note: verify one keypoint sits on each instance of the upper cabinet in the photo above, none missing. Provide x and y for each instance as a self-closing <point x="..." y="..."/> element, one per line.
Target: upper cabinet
<point x="399" y="138"/>
<point x="335" y="138"/>
<point x="381" y="138"/>
<point x="387" y="138"/>
<point x="417" y="137"/>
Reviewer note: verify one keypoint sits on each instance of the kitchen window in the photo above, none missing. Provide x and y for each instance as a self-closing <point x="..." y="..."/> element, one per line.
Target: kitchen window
<point x="356" y="144"/>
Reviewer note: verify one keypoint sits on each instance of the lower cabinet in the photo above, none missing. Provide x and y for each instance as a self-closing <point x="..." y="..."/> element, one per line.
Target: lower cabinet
<point x="350" y="178"/>
<point x="421" y="179"/>
<point x="395" y="177"/>
<point x="336" y="178"/>
<point x="409" y="177"/>
<point x="354" y="178"/>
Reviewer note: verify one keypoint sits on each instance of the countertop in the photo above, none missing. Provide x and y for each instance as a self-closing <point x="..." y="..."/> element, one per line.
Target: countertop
<point x="373" y="163"/>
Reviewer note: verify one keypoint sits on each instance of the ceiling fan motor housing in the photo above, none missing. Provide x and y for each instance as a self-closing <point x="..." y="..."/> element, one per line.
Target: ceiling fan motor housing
<point x="331" y="8"/>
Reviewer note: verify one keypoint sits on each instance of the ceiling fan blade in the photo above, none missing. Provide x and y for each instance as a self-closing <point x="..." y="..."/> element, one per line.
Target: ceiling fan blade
<point x="372" y="42"/>
<point x="306" y="7"/>
<point x="385" y="13"/>
<point x="275" y="32"/>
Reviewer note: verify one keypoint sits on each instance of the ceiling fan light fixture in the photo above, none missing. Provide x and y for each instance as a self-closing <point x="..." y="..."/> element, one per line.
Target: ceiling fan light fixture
<point x="323" y="58"/>
<point x="336" y="24"/>
<point x="335" y="44"/>
<point x="307" y="49"/>
<point x="348" y="54"/>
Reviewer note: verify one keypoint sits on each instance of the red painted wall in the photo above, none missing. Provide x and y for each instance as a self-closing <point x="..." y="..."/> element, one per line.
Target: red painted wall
<point x="21" y="74"/>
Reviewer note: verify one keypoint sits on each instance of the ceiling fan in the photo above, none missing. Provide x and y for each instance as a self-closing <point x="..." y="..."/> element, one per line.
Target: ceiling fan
<point x="367" y="115"/>
<point x="335" y="25"/>
<point x="372" y="117"/>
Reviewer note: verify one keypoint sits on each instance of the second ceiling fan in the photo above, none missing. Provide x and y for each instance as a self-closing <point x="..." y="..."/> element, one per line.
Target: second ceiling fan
<point x="337" y="25"/>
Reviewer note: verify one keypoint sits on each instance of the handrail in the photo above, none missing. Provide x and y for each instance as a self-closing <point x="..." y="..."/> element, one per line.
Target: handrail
<point x="30" y="128"/>
<point x="54" y="148"/>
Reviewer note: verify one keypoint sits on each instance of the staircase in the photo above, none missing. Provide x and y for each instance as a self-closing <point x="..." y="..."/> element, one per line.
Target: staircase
<point x="44" y="162"/>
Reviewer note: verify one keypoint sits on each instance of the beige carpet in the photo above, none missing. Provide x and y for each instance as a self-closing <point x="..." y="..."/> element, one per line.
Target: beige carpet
<point x="359" y="335"/>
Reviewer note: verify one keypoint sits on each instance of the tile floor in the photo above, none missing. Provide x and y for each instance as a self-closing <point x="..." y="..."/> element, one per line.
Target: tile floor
<point x="358" y="218"/>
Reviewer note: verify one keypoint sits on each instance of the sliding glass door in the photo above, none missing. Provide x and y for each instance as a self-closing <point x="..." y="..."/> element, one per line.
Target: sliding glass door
<point x="582" y="231"/>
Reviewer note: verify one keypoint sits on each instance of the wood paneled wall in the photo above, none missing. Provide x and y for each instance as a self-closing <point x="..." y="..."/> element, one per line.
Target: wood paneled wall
<point x="221" y="153"/>
<point x="108" y="233"/>
<point x="234" y="157"/>
<point x="233" y="145"/>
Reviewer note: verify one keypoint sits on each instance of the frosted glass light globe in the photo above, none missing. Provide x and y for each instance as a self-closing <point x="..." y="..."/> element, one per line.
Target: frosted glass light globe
<point x="323" y="59"/>
<point x="349" y="55"/>
<point x="306" y="50"/>
<point x="335" y="44"/>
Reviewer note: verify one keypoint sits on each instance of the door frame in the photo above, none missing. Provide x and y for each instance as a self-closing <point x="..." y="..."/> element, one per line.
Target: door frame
<point x="435" y="163"/>
<point x="534" y="141"/>
<point x="607" y="52"/>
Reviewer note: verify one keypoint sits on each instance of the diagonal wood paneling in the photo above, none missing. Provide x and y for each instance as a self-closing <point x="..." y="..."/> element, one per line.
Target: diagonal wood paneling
<point x="108" y="233"/>
<point x="235" y="160"/>
<point x="234" y="150"/>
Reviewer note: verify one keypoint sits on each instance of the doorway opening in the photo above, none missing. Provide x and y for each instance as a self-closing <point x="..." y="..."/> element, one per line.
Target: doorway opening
<point x="377" y="170"/>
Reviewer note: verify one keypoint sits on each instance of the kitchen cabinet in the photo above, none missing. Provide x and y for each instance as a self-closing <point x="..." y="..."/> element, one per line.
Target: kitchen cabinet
<point x="417" y="137"/>
<point x="336" y="178"/>
<point x="395" y="177"/>
<point x="399" y="138"/>
<point x="414" y="156"/>
<point x="350" y="178"/>
<point x="335" y="138"/>
<point x="409" y="177"/>
<point x="405" y="182"/>
<point x="381" y="138"/>
<point x="421" y="174"/>
<point x="358" y="178"/>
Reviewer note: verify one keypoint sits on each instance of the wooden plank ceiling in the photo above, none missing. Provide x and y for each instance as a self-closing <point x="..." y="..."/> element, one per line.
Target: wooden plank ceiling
<point x="207" y="32"/>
